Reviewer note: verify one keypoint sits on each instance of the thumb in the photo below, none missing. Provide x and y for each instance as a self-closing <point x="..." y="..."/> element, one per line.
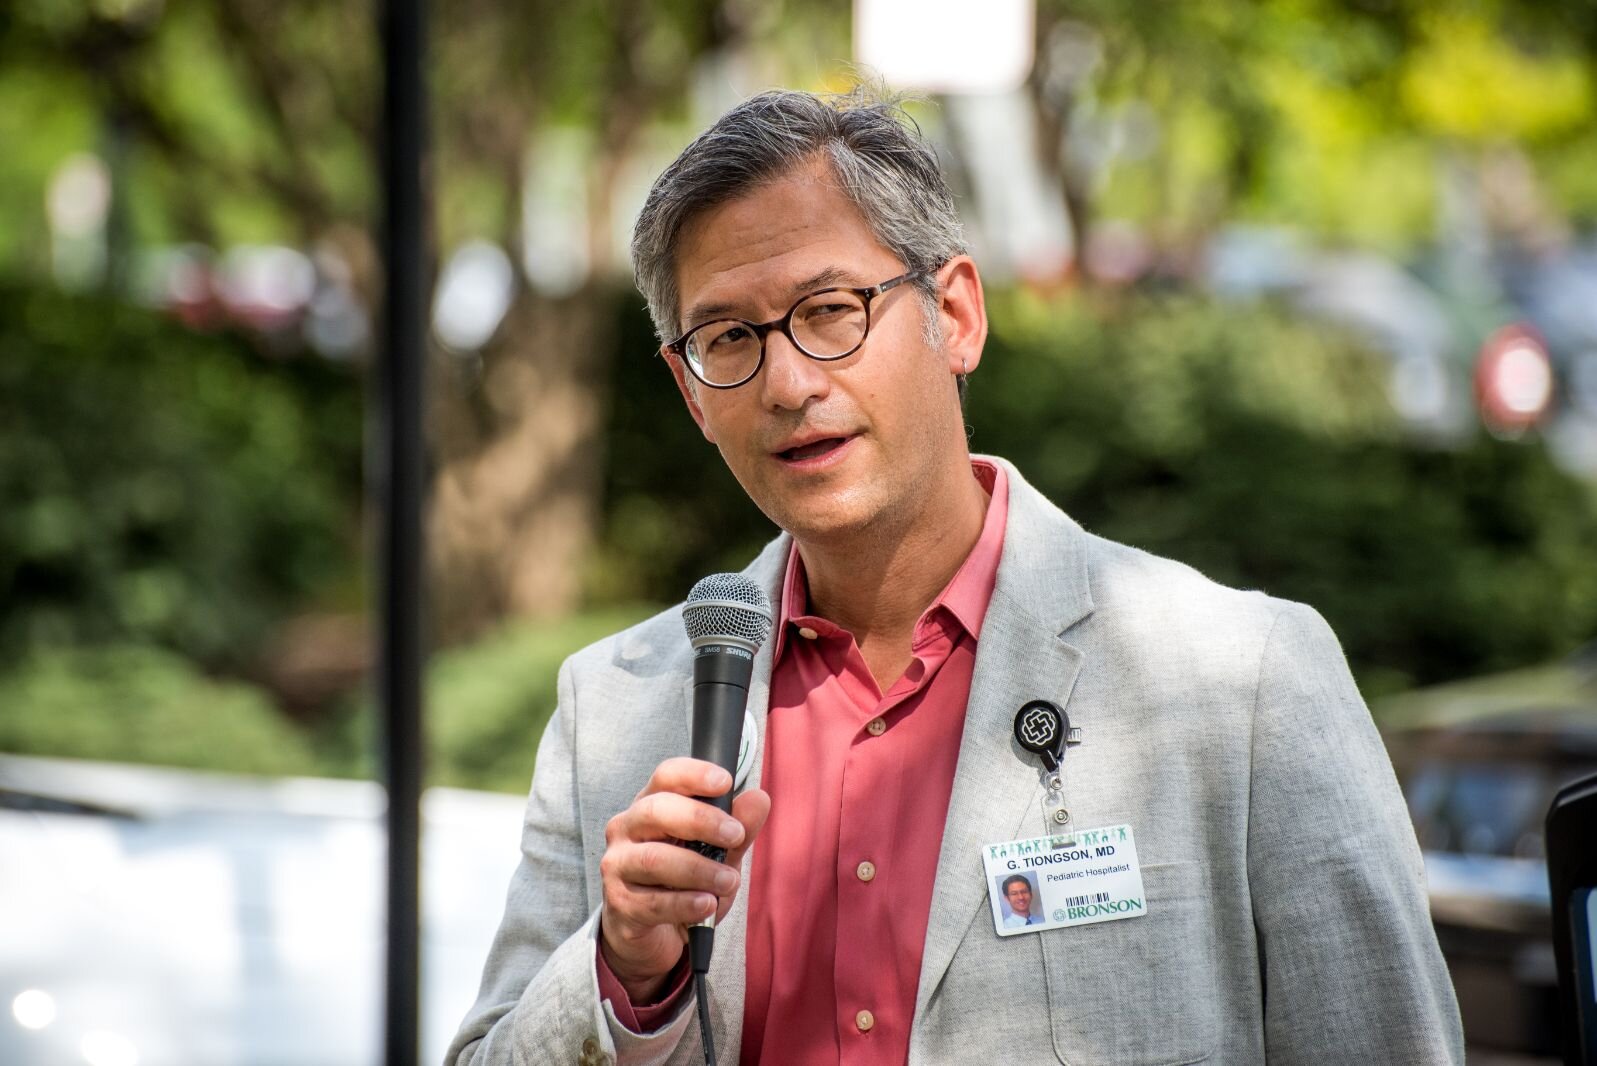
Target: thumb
<point x="751" y="808"/>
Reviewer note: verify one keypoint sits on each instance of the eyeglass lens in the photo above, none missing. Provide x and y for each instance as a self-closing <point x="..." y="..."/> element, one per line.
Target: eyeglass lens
<point x="826" y="325"/>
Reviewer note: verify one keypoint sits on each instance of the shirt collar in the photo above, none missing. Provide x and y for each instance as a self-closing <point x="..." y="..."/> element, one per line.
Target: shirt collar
<point x="967" y="593"/>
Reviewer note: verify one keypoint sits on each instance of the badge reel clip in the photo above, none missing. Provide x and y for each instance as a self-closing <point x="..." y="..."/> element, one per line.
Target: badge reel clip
<point x="1043" y="729"/>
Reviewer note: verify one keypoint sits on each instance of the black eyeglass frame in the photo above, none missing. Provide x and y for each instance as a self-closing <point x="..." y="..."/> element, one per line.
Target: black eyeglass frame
<point x="868" y="294"/>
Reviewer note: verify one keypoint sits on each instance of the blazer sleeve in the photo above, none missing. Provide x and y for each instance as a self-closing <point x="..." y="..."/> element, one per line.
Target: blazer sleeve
<point x="1350" y="960"/>
<point x="539" y="999"/>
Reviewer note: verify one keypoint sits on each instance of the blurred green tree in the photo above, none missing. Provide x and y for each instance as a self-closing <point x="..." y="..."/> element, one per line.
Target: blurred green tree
<point x="1262" y="452"/>
<point x="254" y="120"/>
<point x="163" y="486"/>
<point x="1341" y="116"/>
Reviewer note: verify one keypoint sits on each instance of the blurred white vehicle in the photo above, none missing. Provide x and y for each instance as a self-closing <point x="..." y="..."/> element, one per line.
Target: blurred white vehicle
<point x="152" y="917"/>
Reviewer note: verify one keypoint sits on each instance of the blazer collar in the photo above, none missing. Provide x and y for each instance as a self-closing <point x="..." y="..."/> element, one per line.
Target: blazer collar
<point x="1043" y="572"/>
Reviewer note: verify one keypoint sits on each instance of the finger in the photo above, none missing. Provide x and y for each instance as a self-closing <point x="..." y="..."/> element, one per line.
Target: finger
<point x="638" y="909"/>
<point x="669" y="816"/>
<point x="661" y="865"/>
<point x="688" y="777"/>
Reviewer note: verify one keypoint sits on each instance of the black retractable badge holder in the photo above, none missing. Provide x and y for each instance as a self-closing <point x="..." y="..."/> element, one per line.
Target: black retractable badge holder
<point x="1044" y="730"/>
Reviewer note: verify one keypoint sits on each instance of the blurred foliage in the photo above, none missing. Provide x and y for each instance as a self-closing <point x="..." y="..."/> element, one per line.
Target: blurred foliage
<point x="221" y="122"/>
<point x="1255" y="447"/>
<point x="1333" y="115"/>
<point x="224" y="122"/>
<point x="1261" y="451"/>
<point x="161" y="485"/>
<point x="1468" y="81"/>
<point x="127" y="703"/>
<point x="488" y="702"/>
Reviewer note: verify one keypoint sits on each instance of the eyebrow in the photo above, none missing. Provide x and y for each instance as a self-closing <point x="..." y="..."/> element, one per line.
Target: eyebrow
<point x="822" y="279"/>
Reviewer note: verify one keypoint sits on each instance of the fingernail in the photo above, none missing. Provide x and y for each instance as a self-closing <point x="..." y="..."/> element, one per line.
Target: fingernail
<point x="718" y="779"/>
<point x="707" y="905"/>
<point x="725" y="881"/>
<point x="730" y="832"/>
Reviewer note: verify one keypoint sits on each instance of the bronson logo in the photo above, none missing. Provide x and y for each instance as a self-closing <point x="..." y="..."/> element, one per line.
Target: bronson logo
<point x="1095" y="910"/>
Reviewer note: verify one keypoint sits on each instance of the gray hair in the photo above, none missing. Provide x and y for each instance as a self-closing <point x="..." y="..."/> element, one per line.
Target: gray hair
<point x="877" y="154"/>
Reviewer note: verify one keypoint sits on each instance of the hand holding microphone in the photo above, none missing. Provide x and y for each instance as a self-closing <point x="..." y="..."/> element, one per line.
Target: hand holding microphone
<point x="654" y="889"/>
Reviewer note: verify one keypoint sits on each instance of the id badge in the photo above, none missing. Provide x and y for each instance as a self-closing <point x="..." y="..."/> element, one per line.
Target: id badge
<point x="1053" y="882"/>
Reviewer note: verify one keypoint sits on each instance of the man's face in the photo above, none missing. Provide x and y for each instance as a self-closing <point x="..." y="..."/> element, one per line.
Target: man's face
<point x="824" y="449"/>
<point x="1019" y="896"/>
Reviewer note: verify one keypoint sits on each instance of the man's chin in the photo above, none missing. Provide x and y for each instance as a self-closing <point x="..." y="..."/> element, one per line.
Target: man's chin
<point x="819" y="512"/>
<point x="831" y="521"/>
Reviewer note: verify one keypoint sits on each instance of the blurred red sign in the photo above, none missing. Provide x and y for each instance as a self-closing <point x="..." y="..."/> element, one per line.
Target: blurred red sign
<point x="1513" y="379"/>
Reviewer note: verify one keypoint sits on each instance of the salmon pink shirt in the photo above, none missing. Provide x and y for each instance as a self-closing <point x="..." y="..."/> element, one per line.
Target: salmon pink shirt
<point x="842" y="873"/>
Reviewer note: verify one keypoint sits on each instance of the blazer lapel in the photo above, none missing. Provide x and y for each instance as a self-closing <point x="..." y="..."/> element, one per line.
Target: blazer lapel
<point x="1041" y="591"/>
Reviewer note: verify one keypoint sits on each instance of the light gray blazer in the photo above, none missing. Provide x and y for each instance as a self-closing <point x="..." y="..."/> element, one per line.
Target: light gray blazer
<point x="1287" y="918"/>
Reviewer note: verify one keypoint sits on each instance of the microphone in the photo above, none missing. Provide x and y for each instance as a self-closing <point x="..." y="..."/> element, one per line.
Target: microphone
<point x="728" y="618"/>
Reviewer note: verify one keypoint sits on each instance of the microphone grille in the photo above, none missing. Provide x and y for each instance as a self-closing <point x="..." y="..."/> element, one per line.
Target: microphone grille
<point x="729" y="606"/>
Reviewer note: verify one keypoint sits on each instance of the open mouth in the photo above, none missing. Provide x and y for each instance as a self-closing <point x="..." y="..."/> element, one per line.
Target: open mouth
<point x="814" y="449"/>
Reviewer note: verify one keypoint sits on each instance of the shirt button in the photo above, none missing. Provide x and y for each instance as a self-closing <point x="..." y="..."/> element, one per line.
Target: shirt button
<point x="876" y="727"/>
<point x="807" y="633"/>
<point x="864" y="1020"/>
<point x="865" y="871"/>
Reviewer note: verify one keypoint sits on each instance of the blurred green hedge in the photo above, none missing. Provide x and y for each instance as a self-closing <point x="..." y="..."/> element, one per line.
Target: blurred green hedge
<point x="1263" y="451"/>
<point x="164" y="486"/>
<point x="487" y="706"/>
<point x="127" y="703"/>
<point x="488" y="702"/>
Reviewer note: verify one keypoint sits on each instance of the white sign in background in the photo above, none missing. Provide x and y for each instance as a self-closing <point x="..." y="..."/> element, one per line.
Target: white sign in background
<point x="947" y="46"/>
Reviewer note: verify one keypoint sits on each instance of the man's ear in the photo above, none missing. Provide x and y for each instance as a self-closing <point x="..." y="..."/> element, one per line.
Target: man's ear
<point x="962" y="314"/>
<point x="688" y="386"/>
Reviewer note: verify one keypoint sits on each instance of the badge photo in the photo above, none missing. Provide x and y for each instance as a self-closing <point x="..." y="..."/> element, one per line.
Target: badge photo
<point x="1019" y="900"/>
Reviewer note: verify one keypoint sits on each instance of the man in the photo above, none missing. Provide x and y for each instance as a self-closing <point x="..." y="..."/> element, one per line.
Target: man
<point x="1017" y="892"/>
<point x="804" y="265"/>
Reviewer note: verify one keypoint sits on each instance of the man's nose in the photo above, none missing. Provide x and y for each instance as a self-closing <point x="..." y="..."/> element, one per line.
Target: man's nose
<point x="790" y="379"/>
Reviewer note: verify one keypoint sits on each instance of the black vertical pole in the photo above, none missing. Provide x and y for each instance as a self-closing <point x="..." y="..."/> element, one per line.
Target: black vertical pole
<point x="399" y="483"/>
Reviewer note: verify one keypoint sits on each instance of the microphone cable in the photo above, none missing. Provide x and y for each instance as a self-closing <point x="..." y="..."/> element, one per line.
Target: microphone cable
<point x="702" y="992"/>
<point x="700" y="945"/>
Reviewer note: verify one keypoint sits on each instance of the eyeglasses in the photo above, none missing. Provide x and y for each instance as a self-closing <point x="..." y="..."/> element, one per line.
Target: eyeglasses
<point x="825" y="325"/>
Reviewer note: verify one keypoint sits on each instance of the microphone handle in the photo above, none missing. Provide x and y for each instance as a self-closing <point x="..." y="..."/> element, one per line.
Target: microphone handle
<point x="721" y="676"/>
